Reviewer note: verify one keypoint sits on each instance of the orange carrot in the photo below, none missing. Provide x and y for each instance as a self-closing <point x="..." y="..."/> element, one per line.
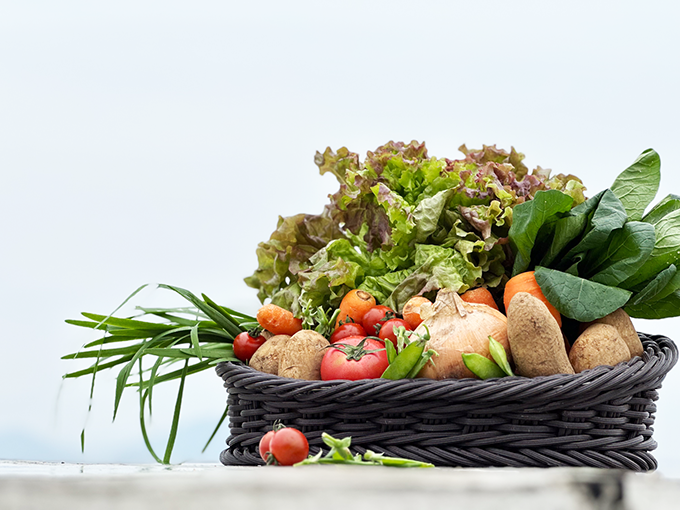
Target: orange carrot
<point x="411" y="311"/>
<point x="354" y="306"/>
<point x="526" y="282"/>
<point x="481" y="296"/>
<point x="278" y="320"/>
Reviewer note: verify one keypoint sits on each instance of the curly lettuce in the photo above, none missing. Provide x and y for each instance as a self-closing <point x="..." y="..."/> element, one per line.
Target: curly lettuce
<point x="402" y="223"/>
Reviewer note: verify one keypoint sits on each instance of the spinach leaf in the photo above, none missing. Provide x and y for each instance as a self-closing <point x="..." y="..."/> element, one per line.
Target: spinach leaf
<point x="666" y="206"/>
<point x="637" y="185"/>
<point x="566" y="230"/>
<point x="577" y="298"/>
<point x="669" y="306"/>
<point x="656" y="286"/>
<point x="626" y="250"/>
<point x="666" y="250"/>
<point x="528" y="218"/>
<point x="609" y="214"/>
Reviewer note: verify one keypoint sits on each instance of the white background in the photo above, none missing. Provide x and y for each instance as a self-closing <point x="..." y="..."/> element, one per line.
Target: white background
<point x="159" y="141"/>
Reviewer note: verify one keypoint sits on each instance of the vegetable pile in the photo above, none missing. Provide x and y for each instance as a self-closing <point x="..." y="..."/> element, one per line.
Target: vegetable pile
<point x="430" y="268"/>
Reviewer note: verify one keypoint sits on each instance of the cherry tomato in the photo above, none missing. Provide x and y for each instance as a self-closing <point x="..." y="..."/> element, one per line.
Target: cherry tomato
<point x="264" y="444"/>
<point x="246" y="345"/>
<point x="387" y="329"/>
<point x="348" y="329"/>
<point x="369" y="365"/>
<point x="374" y="316"/>
<point x="289" y="446"/>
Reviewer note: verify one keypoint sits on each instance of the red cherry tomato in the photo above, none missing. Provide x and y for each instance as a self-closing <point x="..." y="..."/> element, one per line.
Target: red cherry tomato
<point x="246" y="345"/>
<point x="264" y="444"/>
<point x="387" y="329"/>
<point x="289" y="446"/>
<point x="370" y="365"/>
<point x="348" y="329"/>
<point x="373" y="318"/>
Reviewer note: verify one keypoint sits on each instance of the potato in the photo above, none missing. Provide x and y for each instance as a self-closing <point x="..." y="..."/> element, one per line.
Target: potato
<point x="301" y="359"/>
<point x="266" y="358"/>
<point x="600" y="344"/>
<point x="536" y="340"/>
<point x="621" y="321"/>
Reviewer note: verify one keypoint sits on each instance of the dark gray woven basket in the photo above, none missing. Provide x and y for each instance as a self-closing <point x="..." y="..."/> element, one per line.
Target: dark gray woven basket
<point x="599" y="418"/>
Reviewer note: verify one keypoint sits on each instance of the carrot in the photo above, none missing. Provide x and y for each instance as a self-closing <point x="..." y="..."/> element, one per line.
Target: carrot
<point x="411" y="311"/>
<point x="481" y="296"/>
<point x="354" y="306"/>
<point x="278" y="320"/>
<point x="526" y="282"/>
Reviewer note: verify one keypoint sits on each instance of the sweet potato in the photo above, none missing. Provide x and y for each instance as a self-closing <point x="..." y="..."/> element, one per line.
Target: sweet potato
<point x="536" y="340"/>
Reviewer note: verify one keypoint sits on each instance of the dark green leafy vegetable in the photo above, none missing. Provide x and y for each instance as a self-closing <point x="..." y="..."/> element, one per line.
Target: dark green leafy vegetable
<point x="578" y="298"/>
<point x="528" y="218"/>
<point x="637" y="185"/>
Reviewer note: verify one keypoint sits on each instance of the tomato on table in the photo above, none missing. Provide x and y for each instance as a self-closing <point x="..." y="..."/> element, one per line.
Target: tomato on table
<point x="246" y="343"/>
<point x="347" y="329"/>
<point x="289" y="446"/>
<point x="373" y="318"/>
<point x="354" y="358"/>
<point x="264" y="445"/>
<point x="387" y="329"/>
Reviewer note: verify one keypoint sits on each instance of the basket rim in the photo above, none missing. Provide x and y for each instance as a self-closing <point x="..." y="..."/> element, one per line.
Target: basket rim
<point x="638" y="374"/>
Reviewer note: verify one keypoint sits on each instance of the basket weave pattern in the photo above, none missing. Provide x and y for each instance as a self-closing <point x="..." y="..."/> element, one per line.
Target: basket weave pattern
<point x="599" y="418"/>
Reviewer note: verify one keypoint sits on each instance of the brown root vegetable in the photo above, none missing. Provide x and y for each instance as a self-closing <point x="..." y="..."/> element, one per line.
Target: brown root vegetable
<point x="536" y="340"/>
<point x="301" y="359"/>
<point x="621" y="321"/>
<point x="600" y="344"/>
<point x="457" y="327"/>
<point x="267" y="356"/>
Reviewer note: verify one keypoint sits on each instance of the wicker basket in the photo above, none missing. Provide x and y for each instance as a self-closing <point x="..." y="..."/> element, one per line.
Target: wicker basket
<point x="599" y="418"/>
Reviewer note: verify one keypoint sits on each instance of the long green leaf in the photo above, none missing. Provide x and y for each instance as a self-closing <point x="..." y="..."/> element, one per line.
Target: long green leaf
<point x="215" y="315"/>
<point x="195" y="342"/>
<point x="219" y="424"/>
<point x="175" y="418"/>
<point x="96" y="366"/>
<point x="195" y="368"/>
<point x="126" y="323"/>
<point x="142" y="421"/>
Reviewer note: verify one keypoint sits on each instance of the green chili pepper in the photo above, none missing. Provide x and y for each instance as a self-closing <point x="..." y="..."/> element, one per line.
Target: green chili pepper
<point x="499" y="356"/>
<point x="481" y="366"/>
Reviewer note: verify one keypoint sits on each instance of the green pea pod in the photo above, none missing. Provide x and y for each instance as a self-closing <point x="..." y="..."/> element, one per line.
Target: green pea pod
<point x="405" y="361"/>
<point x="499" y="356"/>
<point x="424" y="358"/>
<point x="391" y="351"/>
<point x="481" y="366"/>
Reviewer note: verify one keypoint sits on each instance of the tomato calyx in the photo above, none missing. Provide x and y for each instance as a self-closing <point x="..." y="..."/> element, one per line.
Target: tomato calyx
<point x="256" y="331"/>
<point x="355" y="352"/>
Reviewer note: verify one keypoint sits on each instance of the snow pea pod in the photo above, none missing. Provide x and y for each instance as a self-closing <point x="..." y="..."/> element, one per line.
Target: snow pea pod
<point x="481" y="366"/>
<point x="405" y="361"/>
<point x="499" y="355"/>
